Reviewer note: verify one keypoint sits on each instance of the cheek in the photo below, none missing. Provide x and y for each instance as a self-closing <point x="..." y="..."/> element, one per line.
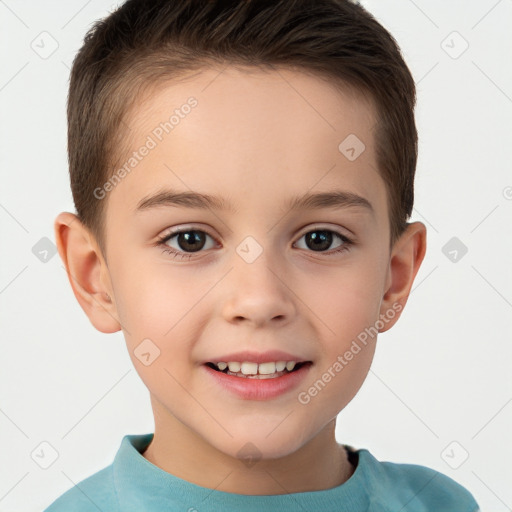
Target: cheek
<point x="159" y="304"/>
<point x="347" y="304"/>
<point x="152" y="308"/>
<point x="152" y="298"/>
<point x="345" y="300"/>
<point x="347" y="353"/>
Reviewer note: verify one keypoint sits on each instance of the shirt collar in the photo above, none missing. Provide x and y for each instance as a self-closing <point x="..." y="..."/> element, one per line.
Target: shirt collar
<point x="140" y="485"/>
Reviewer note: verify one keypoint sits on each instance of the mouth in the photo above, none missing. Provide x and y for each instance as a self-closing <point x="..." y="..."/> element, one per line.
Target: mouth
<point x="259" y="371"/>
<point x="250" y="375"/>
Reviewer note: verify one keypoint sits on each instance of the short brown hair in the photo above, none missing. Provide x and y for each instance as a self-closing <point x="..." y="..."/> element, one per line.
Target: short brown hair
<point x="148" y="41"/>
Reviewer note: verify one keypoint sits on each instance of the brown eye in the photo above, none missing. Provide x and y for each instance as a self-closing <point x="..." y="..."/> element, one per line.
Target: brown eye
<point x="192" y="241"/>
<point x="320" y="240"/>
<point x="187" y="241"/>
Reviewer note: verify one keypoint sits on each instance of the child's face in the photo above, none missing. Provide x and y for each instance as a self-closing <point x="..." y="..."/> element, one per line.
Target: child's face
<point x="256" y="141"/>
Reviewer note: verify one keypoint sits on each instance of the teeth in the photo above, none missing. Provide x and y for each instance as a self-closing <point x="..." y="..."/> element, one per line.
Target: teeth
<point x="234" y="367"/>
<point x="248" y="368"/>
<point x="267" y="368"/>
<point x="290" y="365"/>
<point x="280" y="366"/>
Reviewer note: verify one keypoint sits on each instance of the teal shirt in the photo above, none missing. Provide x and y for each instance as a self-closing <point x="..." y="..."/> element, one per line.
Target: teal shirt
<point x="133" y="484"/>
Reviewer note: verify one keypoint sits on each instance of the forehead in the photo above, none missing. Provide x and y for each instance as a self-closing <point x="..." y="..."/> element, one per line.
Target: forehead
<point x="248" y="133"/>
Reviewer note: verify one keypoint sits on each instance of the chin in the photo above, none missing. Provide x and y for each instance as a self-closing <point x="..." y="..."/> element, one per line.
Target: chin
<point x="253" y="444"/>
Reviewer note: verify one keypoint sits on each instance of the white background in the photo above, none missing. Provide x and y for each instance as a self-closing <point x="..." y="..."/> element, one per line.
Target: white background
<point x="442" y="374"/>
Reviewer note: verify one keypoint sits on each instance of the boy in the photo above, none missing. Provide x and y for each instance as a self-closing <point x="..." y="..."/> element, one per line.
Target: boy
<point x="279" y="138"/>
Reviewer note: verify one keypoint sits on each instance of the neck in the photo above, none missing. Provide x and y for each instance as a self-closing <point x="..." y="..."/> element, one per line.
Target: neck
<point x="318" y="465"/>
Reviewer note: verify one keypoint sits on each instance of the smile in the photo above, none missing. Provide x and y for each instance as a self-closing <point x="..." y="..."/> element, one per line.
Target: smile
<point x="249" y="370"/>
<point x="262" y="380"/>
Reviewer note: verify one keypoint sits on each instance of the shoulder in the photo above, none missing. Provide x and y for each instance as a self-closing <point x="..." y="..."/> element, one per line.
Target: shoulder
<point x="96" y="492"/>
<point x="413" y="488"/>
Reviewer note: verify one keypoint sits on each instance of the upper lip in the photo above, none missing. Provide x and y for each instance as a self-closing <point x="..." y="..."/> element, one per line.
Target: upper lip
<point x="257" y="357"/>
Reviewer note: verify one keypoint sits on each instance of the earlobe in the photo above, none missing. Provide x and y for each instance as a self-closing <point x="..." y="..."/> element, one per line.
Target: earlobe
<point x="406" y="257"/>
<point x="87" y="272"/>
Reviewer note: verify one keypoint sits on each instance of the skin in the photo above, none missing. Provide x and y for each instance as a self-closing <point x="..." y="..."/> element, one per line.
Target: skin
<point x="255" y="141"/>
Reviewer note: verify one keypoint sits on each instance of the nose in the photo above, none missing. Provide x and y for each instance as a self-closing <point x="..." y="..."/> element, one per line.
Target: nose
<point x="257" y="293"/>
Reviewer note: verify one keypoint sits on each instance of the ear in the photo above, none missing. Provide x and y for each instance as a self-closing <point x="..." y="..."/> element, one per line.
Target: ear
<point x="405" y="260"/>
<point x="87" y="272"/>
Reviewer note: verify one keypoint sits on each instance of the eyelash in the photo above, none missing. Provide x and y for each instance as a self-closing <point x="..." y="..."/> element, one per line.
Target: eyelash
<point x="162" y="242"/>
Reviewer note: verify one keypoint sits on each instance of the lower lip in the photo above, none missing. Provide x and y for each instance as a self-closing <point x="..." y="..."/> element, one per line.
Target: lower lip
<point x="259" y="389"/>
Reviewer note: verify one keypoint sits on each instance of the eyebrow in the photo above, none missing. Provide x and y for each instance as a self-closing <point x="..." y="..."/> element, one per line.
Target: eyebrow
<point x="333" y="199"/>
